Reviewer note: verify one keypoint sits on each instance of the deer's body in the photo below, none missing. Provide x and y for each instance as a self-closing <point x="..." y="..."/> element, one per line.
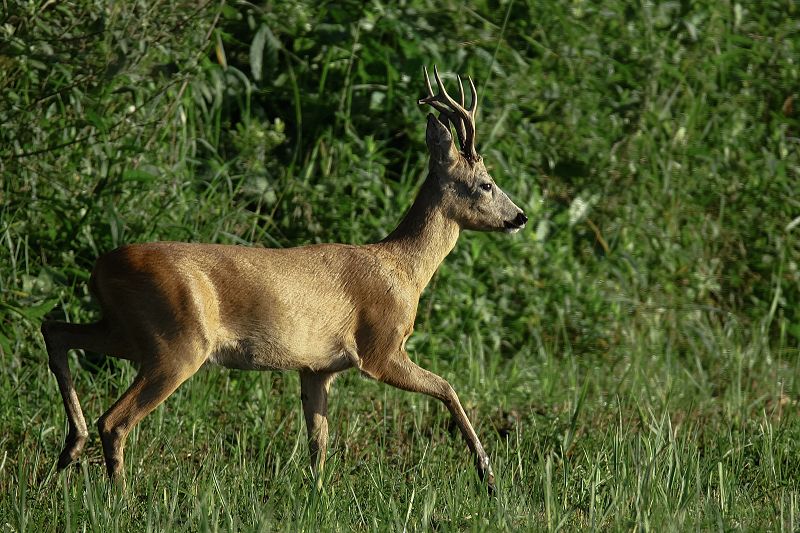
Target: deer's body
<point x="231" y="305"/>
<point x="318" y="309"/>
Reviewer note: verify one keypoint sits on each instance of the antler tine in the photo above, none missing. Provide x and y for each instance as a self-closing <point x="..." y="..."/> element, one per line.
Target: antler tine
<point x="432" y="99"/>
<point x="428" y="84"/>
<point x="443" y="92"/>
<point x="473" y="108"/>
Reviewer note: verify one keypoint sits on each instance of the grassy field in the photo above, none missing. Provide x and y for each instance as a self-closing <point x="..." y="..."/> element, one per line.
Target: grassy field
<point x="630" y="361"/>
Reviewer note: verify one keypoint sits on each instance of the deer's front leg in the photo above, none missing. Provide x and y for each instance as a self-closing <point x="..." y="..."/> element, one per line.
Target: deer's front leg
<point x="314" y="394"/>
<point x="405" y="374"/>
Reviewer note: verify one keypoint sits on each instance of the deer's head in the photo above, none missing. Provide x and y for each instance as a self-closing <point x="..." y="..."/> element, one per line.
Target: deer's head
<point x="469" y="194"/>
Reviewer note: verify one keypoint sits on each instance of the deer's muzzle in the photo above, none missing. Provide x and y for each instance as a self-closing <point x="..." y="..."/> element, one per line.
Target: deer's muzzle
<point x="513" y="226"/>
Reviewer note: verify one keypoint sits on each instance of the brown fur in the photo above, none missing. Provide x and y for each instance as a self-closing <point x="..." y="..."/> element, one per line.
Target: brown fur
<point x="319" y="309"/>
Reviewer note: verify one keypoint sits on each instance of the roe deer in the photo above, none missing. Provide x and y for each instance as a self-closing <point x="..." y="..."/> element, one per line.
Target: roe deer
<point x="318" y="309"/>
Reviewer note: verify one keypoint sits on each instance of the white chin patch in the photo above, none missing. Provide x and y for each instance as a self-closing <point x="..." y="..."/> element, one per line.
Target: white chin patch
<point x="513" y="230"/>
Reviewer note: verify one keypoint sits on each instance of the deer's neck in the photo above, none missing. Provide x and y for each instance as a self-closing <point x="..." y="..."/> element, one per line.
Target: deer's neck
<point x="424" y="237"/>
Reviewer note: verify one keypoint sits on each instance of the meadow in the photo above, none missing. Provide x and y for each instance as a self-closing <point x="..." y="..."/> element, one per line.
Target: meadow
<point x="631" y="360"/>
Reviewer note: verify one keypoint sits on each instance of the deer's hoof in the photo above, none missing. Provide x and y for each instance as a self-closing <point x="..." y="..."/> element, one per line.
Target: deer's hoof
<point x="72" y="449"/>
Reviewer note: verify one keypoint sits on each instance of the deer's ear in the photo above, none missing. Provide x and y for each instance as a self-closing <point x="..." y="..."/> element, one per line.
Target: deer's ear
<point x="440" y="141"/>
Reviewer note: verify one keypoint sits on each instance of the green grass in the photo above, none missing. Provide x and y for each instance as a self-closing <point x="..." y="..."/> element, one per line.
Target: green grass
<point x="650" y="441"/>
<point x="630" y="361"/>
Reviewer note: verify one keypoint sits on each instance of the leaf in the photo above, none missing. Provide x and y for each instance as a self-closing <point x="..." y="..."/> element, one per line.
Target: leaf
<point x="264" y="36"/>
<point x="34" y="312"/>
<point x="257" y="51"/>
<point x="222" y="59"/>
<point x="230" y="12"/>
<point x="96" y="120"/>
<point x="38" y="311"/>
<point x="5" y="344"/>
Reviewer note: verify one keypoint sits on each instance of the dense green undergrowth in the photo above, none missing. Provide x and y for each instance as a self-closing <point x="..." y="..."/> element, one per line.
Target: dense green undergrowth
<point x="630" y="360"/>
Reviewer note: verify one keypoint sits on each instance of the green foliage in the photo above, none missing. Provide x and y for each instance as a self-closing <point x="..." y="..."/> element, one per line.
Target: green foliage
<point x="630" y="360"/>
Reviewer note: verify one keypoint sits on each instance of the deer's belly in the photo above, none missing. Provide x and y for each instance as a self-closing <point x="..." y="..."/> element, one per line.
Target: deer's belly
<point x="270" y="353"/>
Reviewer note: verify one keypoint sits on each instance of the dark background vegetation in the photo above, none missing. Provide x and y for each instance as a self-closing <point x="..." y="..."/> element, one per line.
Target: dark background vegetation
<point x="653" y="145"/>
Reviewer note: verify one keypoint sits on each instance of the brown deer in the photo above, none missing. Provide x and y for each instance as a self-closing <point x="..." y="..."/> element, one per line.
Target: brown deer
<point x="319" y="309"/>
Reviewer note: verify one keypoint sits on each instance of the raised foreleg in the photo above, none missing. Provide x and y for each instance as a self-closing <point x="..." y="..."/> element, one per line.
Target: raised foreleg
<point x="404" y="374"/>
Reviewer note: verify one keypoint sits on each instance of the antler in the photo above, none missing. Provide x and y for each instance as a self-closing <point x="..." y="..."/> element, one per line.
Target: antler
<point x="463" y="119"/>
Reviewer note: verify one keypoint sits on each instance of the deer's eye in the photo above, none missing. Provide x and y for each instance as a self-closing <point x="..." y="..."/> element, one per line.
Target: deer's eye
<point x="486" y="186"/>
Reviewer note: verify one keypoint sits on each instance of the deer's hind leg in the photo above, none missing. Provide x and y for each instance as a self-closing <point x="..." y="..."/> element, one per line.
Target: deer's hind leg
<point x="157" y="379"/>
<point x="59" y="338"/>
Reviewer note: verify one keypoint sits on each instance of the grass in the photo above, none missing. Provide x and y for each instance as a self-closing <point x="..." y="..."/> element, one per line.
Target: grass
<point x="630" y="361"/>
<point x="651" y="442"/>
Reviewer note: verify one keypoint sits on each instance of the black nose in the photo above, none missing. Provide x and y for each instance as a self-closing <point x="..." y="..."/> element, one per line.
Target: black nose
<point x="517" y="223"/>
